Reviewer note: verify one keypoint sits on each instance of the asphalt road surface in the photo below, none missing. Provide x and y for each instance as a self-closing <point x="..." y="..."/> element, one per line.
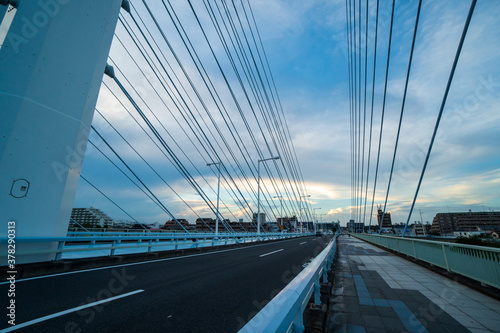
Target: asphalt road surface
<point x="209" y="292"/>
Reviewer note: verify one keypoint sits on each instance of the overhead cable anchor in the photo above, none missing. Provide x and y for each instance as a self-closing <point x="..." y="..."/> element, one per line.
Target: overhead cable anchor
<point x="109" y="71"/>
<point x="126" y="6"/>
<point x="13" y="3"/>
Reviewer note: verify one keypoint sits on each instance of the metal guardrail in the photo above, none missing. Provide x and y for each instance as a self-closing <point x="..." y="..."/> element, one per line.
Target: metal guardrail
<point x="141" y="234"/>
<point x="284" y="313"/>
<point x="147" y="231"/>
<point x="79" y="242"/>
<point x="479" y="263"/>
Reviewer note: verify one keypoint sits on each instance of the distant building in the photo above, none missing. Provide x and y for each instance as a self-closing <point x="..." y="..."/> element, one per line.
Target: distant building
<point x="90" y="218"/>
<point x="419" y="229"/>
<point x="350" y="225"/>
<point x="245" y="226"/>
<point x="287" y="223"/>
<point x="468" y="233"/>
<point x="384" y="221"/>
<point x="123" y="224"/>
<point x="208" y="225"/>
<point x="355" y="226"/>
<point x="373" y="229"/>
<point x="140" y="226"/>
<point x="205" y="224"/>
<point x="387" y="222"/>
<point x="262" y="218"/>
<point x="173" y="225"/>
<point x="399" y="229"/>
<point x="448" y="223"/>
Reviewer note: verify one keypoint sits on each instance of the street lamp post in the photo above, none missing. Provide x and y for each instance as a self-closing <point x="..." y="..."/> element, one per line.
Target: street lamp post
<point x="281" y="205"/>
<point x="302" y="222"/>
<point x="218" y="190"/>
<point x="300" y="205"/>
<point x="314" y="213"/>
<point x="321" y="223"/>
<point x="258" y="189"/>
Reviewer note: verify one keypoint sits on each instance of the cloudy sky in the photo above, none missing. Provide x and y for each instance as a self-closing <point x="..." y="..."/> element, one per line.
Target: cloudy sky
<point x="305" y="44"/>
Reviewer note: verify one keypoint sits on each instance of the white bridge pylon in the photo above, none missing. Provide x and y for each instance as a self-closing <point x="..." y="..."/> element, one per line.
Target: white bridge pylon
<point x="52" y="59"/>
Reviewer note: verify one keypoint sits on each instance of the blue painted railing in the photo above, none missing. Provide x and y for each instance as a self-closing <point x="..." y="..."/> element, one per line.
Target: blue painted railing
<point x="284" y="313"/>
<point x="89" y="244"/>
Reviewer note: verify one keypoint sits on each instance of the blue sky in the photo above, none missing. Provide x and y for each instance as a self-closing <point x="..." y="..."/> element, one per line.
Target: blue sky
<point x="305" y="42"/>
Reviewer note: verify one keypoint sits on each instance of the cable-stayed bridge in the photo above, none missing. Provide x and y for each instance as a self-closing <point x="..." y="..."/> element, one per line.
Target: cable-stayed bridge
<point x="160" y="112"/>
<point x="141" y="91"/>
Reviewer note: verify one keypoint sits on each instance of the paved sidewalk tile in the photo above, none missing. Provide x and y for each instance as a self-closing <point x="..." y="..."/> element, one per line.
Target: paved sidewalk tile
<point x="376" y="291"/>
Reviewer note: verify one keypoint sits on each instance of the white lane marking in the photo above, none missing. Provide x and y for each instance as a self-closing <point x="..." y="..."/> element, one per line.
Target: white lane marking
<point x="62" y="313"/>
<point x="266" y="254"/>
<point x="142" y="262"/>
<point x="302" y="243"/>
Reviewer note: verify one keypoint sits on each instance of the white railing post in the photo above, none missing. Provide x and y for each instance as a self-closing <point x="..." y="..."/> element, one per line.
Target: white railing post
<point x="317" y="292"/>
<point x="414" y="249"/>
<point x="445" y="258"/>
<point x="298" y="322"/>
<point x="60" y="247"/>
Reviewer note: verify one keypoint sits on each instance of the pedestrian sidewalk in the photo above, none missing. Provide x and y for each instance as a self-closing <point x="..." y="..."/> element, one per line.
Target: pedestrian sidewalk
<point x="376" y="291"/>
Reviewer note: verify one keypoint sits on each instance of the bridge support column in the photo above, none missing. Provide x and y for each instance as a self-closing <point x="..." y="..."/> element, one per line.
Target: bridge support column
<point x="52" y="59"/>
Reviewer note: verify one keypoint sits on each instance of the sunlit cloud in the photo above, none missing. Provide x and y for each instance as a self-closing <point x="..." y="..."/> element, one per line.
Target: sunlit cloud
<point x="335" y="211"/>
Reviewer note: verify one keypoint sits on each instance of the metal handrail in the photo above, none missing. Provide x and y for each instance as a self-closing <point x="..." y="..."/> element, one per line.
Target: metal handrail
<point x="284" y="313"/>
<point x="133" y="241"/>
<point x="152" y="236"/>
<point x="479" y="263"/>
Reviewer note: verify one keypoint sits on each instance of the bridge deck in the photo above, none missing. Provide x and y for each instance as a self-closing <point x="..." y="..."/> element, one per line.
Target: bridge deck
<point x="376" y="291"/>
